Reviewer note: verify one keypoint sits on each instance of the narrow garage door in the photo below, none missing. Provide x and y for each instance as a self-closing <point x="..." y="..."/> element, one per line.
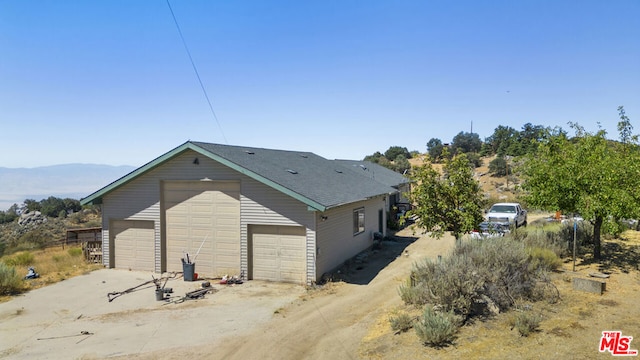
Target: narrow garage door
<point x="203" y="213"/>
<point x="133" y="245"/>
<point x="278" y="253"/>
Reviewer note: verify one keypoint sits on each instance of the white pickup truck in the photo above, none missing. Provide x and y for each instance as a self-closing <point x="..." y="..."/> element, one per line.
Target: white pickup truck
<point x="508" y="215"/>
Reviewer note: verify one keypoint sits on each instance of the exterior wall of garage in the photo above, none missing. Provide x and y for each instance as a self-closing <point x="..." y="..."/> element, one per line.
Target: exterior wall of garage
<point x="263" y="205"/>
<point x="328" y="243"/>
<point x="141" y="199"/>
<point x="335" y="240"/>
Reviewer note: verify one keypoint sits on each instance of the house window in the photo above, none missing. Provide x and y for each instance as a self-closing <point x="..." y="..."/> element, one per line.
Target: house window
<point x="358" y="221"/>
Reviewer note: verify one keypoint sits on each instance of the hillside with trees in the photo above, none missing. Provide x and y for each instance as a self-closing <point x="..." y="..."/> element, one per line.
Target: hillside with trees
<point x="544" y="168"/>
<point x="36" y="224"/>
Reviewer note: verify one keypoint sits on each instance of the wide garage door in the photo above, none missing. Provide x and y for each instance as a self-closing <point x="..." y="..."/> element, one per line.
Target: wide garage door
<point x="133" y="245"/>
<point x="207" y="214"/>
<point x="278" y="253"/>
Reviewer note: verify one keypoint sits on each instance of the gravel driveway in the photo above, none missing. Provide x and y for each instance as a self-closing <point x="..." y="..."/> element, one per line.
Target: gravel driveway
<point x="74" y="319"/>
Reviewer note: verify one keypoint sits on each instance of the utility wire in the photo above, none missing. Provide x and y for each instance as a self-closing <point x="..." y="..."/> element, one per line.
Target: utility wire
<point x="195" y="69"/>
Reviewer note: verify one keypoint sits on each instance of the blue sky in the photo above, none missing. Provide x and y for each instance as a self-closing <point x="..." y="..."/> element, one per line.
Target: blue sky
<point x="109" y="82"/>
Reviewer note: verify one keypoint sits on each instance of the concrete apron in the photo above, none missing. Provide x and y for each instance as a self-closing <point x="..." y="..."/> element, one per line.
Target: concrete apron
<point x="74" y="318"/>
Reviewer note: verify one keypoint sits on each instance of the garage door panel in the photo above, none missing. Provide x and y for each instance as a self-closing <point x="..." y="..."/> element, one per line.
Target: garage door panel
<point x="266" y="264"/>
<point x="261" y="252"/>
<point x="292" y="242"/>
<point x="289" y="254"/>
<point x="225" y="259"/>
<point x="228" y="220"/>
<point x="193" y="215"/>
<point x="289" y="265"/>
<point x="227" y="247"/>
<point x="279" y="253"/>
<point x="201" y="225"/>
<point x="134" y="244"/>
<point x="227" y="235"/>
<point x="291" y="230"/>
<point x="264" y="274"/>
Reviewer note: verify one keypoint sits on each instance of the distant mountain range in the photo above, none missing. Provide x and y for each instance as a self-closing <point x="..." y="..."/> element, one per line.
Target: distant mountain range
<point x="73" y="181"/>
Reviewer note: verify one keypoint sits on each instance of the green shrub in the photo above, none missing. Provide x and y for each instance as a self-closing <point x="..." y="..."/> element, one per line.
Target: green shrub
<point x="75" y="251"/>
<point x="497" y="268"/>
<point x="502" y="267"/>
<point x="547" y="238"/>
<point x="583" y="233"/>
<point x="437" y="329"/>
<point x="526" y="322"/>
<point x="543" y="259"/>
<point x="474" y="159"/>
<point x="451" y="283"/>
<point x="401" y="322"/>
<point x="412" y="294"/>
<point x="36" y="238"/>
<point x="10" y="281"/>
<point x="24" y="258"/>
<point x="498" y="166"/>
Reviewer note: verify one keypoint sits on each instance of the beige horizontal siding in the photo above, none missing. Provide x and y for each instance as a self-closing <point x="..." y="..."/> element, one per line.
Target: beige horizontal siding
<point x="262" y="205"/>
<point x="335" y="240"/>
<point x="140" y="198"/>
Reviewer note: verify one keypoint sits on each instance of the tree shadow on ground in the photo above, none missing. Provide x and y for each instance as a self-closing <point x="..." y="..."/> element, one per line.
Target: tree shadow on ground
<point x="616" y="256"/>
<point x="364" y="267"/>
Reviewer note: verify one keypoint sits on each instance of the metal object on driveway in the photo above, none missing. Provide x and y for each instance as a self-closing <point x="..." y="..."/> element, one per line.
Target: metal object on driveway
<point x="197" y="294"/>
<point x="159" y="294"/>
<point x="82" y="333"/>
<point x="115" y="294"/>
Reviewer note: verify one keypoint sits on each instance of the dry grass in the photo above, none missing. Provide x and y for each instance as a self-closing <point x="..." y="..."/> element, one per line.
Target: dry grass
<point x="570" y="328"/>
<point x="53" y="265"/>
<point x="494" y="188"/>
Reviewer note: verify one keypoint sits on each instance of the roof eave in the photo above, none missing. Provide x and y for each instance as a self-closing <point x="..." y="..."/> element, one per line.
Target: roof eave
<point x="96" y="197"/>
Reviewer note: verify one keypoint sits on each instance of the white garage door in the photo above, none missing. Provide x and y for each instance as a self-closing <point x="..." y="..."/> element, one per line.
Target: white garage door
<point x="278" y="253"/>
<point x="203" y="213"/>
<point x="133" y="245"/>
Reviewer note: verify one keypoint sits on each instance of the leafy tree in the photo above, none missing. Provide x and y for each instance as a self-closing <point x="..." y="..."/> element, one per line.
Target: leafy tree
<point x="10" y="215"/>
<point x="375" y="158"/>
<point x="434" y="148"/>
<point x="31" y="205"/>
<point x="588" y="174"/>
<point x="71" y="205"/>
<point x="529" y="138"/>
<point x="383" y="161"/>
<point x="474" y="159"/>
<point x="393" y="152"/>
<point x="466" y="142"/>
<point x="401" y="164"/>
<point x="450" y="201"/>
<point x="52" y="206"/>
<point x="498" y="166"/>
<point x="501" y="140"/>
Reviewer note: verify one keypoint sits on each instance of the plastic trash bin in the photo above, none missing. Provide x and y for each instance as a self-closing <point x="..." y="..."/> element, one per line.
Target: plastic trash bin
<point x="188" y="270"/>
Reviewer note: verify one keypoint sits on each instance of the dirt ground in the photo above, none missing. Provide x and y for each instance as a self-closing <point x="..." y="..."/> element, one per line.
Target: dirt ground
<point x="345" y="319"/>
<point x="348" y="319"/>
<point x="73" y="319"/>
<point x="328" y="322"/>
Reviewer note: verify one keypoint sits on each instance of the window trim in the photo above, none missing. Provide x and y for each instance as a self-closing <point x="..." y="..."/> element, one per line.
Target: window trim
<point x="358" y="221"/>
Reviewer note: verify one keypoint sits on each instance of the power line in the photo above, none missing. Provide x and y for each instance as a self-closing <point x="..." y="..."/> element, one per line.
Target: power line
<point x="195" y="69"/>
